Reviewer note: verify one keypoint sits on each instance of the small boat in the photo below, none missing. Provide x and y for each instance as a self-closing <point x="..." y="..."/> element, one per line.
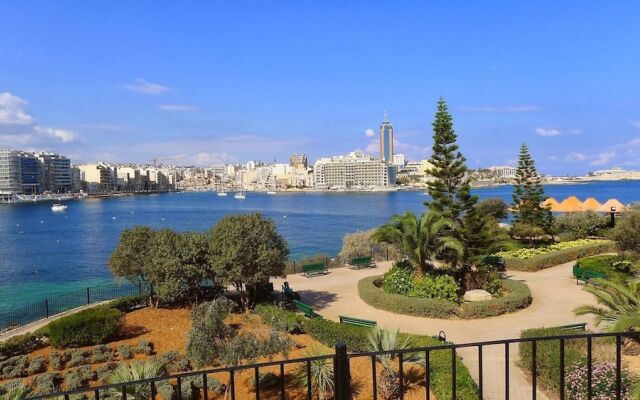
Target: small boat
<point x="271" y="192"/>
<point x="222" y="194"/>
<point x="58" y="207"/>
<point x="239" y="196"/>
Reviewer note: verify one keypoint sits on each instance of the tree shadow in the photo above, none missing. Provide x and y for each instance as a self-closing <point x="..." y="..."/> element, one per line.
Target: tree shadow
<point x="131" y="331"/>
<point x="317" y="299"/>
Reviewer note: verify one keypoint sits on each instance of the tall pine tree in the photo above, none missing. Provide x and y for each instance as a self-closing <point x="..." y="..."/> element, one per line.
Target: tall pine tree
<point x="528" y="193"/>
<point x="450" y="188"/>
<point x="450" y="192"/>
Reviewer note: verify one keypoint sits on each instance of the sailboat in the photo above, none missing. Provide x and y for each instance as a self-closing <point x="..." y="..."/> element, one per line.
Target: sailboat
<point x="239" y="196"/>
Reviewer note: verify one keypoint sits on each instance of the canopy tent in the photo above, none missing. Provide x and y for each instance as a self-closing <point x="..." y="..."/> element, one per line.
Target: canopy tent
<point x="591" y="204"/>
<point x="550" y="203"/>
<point x="570" y="204"/>
<point x="606" y="207"/>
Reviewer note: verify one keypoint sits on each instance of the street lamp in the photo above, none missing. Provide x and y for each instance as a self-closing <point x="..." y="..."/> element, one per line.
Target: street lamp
<point x="613" y="217"/>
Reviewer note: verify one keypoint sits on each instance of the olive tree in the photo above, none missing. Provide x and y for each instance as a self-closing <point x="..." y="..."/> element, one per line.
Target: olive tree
<point x="132" y="254"/>
<point x="626" y="233"/>
<point x="246" y="250"/>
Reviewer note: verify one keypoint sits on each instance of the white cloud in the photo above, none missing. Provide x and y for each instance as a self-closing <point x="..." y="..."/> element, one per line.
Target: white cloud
<point x="603" y="158"/>
<point x="499" y="109"/>
<point x="547" y="132"/>
<point x="369" y="133"/>
<point x="574" y="156"/>
<point x="373" y="147"/>
<point x="18" y="126"/>
<point x="575" y="131"/>
<point x="176" y="107"/>
<point x="142" y="86"/>
<point x="13" y="110"/>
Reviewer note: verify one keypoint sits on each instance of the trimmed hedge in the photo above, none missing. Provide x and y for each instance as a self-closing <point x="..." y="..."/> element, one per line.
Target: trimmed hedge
<point x="21" y="344"/>
<point x="89" y="327"/>
<point x="558" y="257"/>
<point x="518" y="297"/>
<point x="356" y="338"/>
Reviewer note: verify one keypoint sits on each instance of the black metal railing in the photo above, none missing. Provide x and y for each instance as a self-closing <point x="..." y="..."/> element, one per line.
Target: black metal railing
<point x="51" y="306"/>
<point x="341" y="362"/>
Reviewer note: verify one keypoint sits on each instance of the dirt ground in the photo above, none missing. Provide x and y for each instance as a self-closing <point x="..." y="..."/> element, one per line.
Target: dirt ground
<point x="167" y="330"/>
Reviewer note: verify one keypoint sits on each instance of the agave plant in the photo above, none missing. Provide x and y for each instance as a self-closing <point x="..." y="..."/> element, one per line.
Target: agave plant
<point x="16" y="390"/>
<point x="419" y="239"/>
<point x="322" y="384"/>
<point x="383" y="340"/>
<point x="134" y="372"/>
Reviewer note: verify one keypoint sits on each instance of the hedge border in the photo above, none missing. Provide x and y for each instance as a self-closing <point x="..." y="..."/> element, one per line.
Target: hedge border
<point x="547" y="260"/>
<point x="519" y="297"/>
<point x="356" y="338"/>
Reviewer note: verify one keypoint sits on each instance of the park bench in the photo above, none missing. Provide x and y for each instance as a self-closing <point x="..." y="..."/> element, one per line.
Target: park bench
<point x="362" y="262"/>
<point x="494" y="261"/>
<point x="357" y="321"/>
<point x="314" y="269"/>
<point x="306" y="310"/>
<point x="586" y="275"/>
<point x="580" y="327"/>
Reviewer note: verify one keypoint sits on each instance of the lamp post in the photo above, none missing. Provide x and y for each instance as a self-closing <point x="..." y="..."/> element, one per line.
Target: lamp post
<point x="613" y="217"/>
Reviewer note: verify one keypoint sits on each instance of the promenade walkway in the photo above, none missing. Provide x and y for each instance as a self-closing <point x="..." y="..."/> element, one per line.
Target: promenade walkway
<point x="555" y="295"/>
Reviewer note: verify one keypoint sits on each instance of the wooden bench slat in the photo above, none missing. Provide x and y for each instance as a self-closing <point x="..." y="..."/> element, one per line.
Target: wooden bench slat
<point x="306" y="310"/>
<point x="357" y="321"/>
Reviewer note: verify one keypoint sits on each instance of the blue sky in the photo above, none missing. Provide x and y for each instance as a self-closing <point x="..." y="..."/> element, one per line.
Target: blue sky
<point x="205" y="82"/>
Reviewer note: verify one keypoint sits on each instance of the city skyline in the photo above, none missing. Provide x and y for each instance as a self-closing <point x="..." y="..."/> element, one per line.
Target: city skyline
<point x="208" y="84"/>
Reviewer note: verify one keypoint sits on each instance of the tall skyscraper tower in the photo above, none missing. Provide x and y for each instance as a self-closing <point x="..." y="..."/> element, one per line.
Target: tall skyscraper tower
<point x="386" y="140"/>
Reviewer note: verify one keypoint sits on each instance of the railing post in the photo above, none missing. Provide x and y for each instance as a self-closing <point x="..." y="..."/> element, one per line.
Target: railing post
<point x="46" y="307"/>
<point x="341" y="372"/>
<point x="88" y="297"/>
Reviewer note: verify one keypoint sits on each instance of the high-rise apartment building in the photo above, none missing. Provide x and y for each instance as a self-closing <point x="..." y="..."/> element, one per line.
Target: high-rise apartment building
<point x="56" y="172"/>
<point x="31" y="173"/>
<point x="386" y="140"/>
<point x="10" y="177"/>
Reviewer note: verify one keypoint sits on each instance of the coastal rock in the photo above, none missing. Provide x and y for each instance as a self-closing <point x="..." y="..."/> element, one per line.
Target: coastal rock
<point x="477" y="295"/>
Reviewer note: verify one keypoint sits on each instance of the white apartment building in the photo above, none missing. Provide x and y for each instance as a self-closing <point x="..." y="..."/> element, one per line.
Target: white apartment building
<point x="506" y="172"/>
<point x="399" y="160"/>
<point x="353" y="171"/>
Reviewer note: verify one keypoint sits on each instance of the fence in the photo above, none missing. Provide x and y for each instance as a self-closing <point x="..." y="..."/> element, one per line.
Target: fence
<point x="340" y="363"/>
<point x="48" y="307"/>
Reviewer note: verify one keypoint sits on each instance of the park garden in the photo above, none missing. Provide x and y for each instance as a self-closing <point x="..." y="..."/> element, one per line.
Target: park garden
<point x="211" y="304"/>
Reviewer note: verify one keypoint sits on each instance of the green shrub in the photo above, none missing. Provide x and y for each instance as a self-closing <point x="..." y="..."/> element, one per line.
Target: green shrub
<point x="398" y="280"/>
<point x="89" y="327"/>
<point x="442" y="287"/>
<point x="548" y="356"/>
<point x="104" y="372"/>
<point x="579" y="225"/>
<point x="516" y="296"/>
<point x="551" y="259"/>
<point x="125" y="351"/>
<point x="14" y="367"/>
<point x="612" y="266"/>
<point x="213" y="384"/>
<point x="330" y="333"/>
<point x="21" y="344"/>
<point x="46" y="383"/>
<point x="280" y="319"/>
<point x="174" y="362"/>
<point x="78" y="357"/>
<point x="144" y="347"/>
<point x="56" y="360"/>
<point x="37" y="364"/>
<point x="102" y="354"/>
<point x="130" y="303"/>
<point x="378" y="298"/>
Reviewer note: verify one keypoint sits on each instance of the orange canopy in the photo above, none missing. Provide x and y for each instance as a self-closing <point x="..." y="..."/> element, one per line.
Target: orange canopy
<point x="591" y="204"/>
<point x="570" y="204"/>
<point x="606" y="207"/>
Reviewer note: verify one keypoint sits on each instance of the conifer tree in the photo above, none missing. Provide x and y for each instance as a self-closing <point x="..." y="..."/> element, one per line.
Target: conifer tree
<point x="528" y="193"/>
<point x="450" y="189"/>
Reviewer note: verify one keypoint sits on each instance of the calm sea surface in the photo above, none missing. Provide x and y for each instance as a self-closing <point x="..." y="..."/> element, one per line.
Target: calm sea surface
<point x="43" y="253"/>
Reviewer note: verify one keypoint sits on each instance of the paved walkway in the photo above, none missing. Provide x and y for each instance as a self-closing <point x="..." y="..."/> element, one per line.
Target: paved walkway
<point x="555" y="295"/>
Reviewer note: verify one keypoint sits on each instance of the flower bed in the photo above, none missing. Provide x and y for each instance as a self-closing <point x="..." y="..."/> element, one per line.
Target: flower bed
<point x="518" y="296"/>
<point x="560" y="253"/>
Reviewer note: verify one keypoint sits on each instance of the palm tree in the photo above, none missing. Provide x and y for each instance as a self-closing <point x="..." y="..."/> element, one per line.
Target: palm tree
<point x="421" y="239"/>
<point x="618" y="309"/>
<point x="134" y="372"/>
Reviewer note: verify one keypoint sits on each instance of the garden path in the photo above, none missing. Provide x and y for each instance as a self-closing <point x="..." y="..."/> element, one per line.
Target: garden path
<point x="555" y="295"/>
